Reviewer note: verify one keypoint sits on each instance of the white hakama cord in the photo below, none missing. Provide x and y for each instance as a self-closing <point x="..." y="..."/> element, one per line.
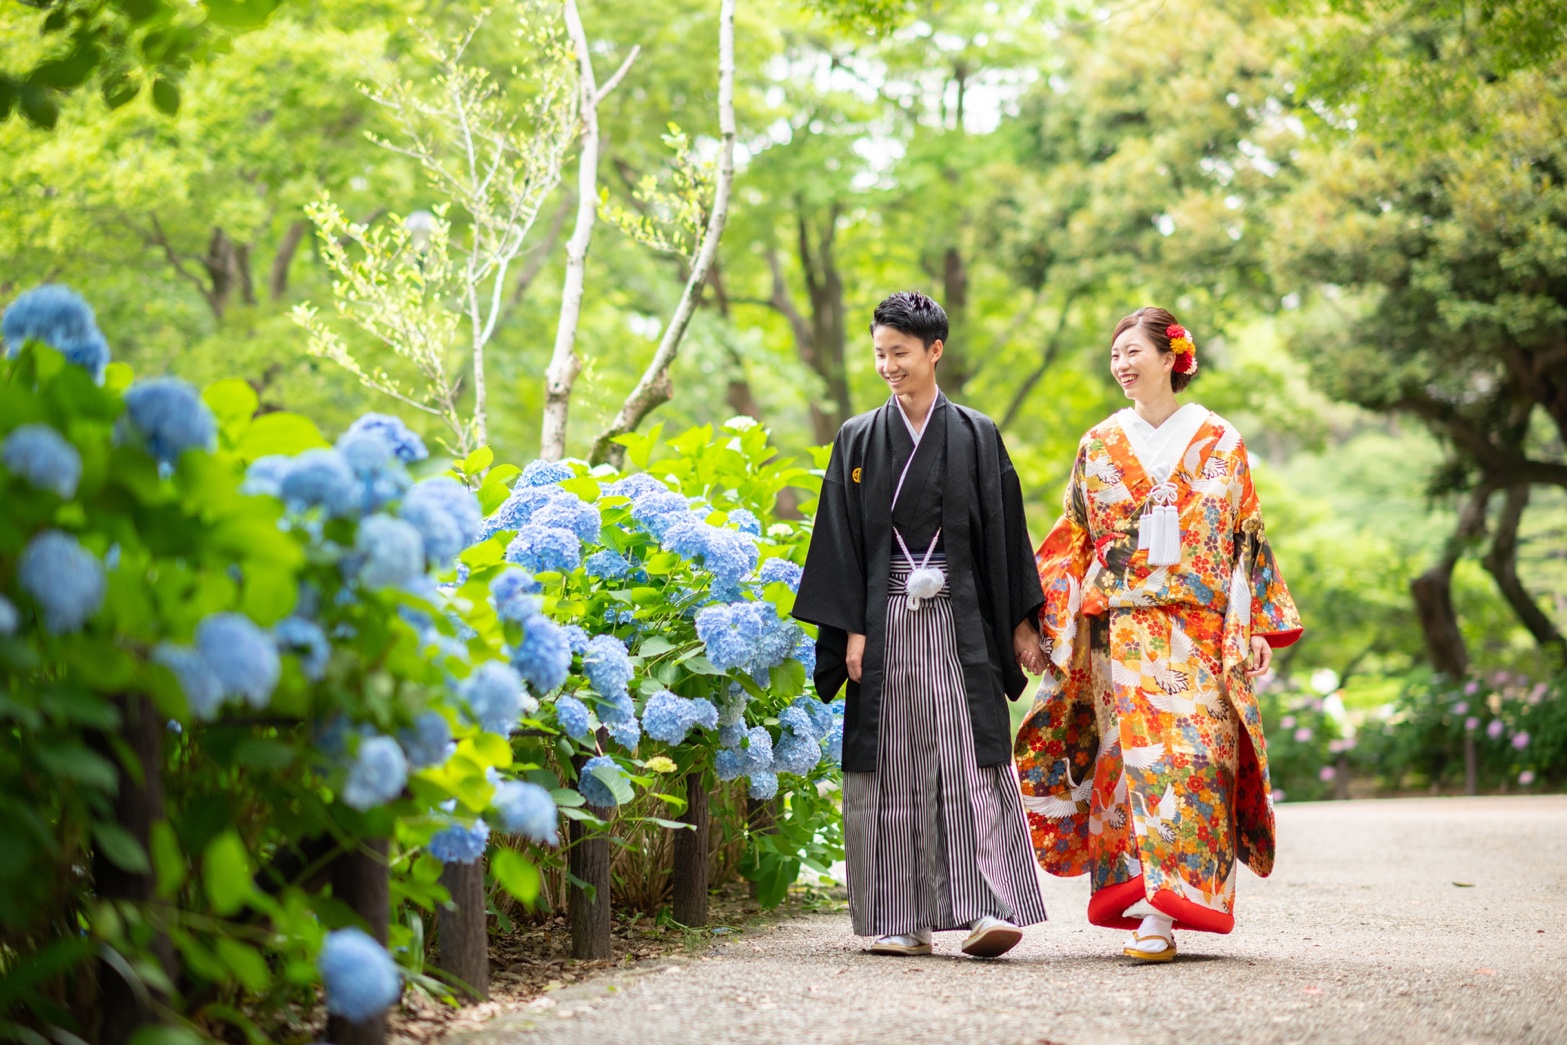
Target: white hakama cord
<point x="933" y="841"/>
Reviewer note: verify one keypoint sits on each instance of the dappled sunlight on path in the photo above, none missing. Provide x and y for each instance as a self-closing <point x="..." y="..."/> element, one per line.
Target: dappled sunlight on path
<point x="1421" y="920"/>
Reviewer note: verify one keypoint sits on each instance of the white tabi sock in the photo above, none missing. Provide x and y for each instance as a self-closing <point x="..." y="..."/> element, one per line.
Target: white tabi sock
<point x="1158" y="926"/>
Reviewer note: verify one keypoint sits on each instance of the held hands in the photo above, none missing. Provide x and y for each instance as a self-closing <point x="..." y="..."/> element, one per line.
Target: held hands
<point x="1261" y="657"/>
<point x="854" y="657"/>
<point x="1025" y="645"/>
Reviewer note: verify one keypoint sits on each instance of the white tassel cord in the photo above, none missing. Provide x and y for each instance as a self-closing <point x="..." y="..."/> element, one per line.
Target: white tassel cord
<point x="925" y="581"/>
<point x="1159" y="530"/>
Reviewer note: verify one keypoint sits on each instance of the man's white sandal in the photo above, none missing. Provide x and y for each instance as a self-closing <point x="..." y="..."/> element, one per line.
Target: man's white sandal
<point x="991" y="938"/>
<point x="906" y="944"/>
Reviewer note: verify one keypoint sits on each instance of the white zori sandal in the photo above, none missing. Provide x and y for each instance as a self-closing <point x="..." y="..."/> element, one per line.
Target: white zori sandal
<point x="1153" y="941"/>
<point x="991" y="938"/>
<point x="907" y="944"/>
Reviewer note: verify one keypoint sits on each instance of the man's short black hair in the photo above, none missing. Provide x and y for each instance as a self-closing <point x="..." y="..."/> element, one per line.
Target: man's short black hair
<point x="914" y="314"/>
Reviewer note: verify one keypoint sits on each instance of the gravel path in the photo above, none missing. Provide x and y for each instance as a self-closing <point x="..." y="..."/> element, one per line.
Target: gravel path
<point x="1415" y="920"/>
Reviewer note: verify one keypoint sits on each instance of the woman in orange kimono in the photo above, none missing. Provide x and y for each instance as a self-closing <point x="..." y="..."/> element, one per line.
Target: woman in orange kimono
<point x="1142" y="763"/>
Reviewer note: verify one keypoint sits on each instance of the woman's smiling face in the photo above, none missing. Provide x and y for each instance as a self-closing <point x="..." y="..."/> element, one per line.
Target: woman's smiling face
<point x="1137" y="366"/>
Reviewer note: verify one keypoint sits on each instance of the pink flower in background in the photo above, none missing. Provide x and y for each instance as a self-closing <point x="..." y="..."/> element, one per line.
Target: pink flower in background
<point x="1521" y="740"/>
<point x="1303" y="735"/>
<point x="1278" y="794"/>
<point x="1326" y="773"/>
<point x="1501" y="678"/>
<point x="1471" y="688"/>
<point x="1461" y="708"/>
<point x="1471" y="724"/>
<point x="1526" y="777"/>
<point x="1338" y="747"/>
<point x="1494" y="730"/>
<point x="1287" y="722"/>
<point x="1538" y="693"/>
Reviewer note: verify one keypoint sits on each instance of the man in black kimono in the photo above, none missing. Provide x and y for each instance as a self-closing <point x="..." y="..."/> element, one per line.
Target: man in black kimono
<point x="921" y="579"/>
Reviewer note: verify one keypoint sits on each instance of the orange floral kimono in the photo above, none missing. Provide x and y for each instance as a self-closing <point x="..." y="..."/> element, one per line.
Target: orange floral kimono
<point x="1142" y="763"/>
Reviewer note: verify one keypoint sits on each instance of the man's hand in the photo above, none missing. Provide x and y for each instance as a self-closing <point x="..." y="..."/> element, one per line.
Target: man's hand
<point x="855" y="656"/>
<point x="1261" y="657"/>
<point x="1025" y="645"/>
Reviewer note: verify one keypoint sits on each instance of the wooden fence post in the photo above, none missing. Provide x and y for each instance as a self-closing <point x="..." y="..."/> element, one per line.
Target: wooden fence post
<point x="589" y="865"/>
<point x="690" y="871"/>
<point x="362" y="880"/>
<point x="464" y="929"/>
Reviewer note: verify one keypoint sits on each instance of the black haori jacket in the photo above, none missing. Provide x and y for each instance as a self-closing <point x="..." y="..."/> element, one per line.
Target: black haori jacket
<point x="963" y="467"/>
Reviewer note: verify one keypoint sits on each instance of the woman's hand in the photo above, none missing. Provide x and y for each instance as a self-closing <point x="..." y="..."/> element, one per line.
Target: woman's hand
<point x="1026" y="647"/>
<point x="854" y="657"/>
<point x="1261" y="657"/>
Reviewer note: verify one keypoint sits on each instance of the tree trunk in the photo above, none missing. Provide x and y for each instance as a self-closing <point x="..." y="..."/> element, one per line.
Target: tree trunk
<point x="1501" y="562"/>
<point x="362" y="881"/>
<point x="277" y="278"/>
<point x="1471" y="765"/>
<point x="956" y="362"/>
<point x="1433" y="592"/>
<point x="588" y="862"/>
<point x="654" y="388"/>
<point x="124" y="1007"/>
<point x="565" y="365"/>
<point x="690" y="873"/>
<point x="464" y="929"/>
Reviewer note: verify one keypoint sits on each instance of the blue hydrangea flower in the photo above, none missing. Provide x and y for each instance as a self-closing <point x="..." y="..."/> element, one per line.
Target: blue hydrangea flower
<point x="407" y="445"/>
<point x="757" y="755"/>
<point x="203" y="692"/>
<point x="704" y="713"/>
<point x="763" y="785"/>
<point x="731" y="633"/>
<point x="545" y="548"/>
<point x="778" y="641"/>
<point x="731" y="734"/>
<point x="571" y="715"/>
<point x="626" y="732"/>
<point x="660" y="508"/>
<point x="361" y="979"/>
<point x="728" y="764"/>
<point x="805" y="653"/>
<point x="835" y="734"/>
<point x="797" y="754"/>
<point x="307" y="641"/>
<point x="634" y="486"/>
<point x="527" y="809"/>
<point x="781" y="571"/>
<point x="168" y="417"/>
<point x="65" y="579"/>
<point x="798" y="722"/>
<point x="264" y="477"/>
<point x="576" y="637"/>
<point x="545" y="473"/>
<point x="428" y="742"/>
<point x="819" y="714"/>
<point x="516" y="511"/>
<point x="745" y="521"/>
<point x="10" y="620"/>
<point x="393" y="552"/>
<point x="616" y="709"/>
<point x="241" y="655"/>
<point x="447" y="515"/>
<point x="592" y="788"/>
<point x="727" y="554"/>
<point x="607" y="564"/>
<point x="544" y="657"/>
<point x="567" y="512"/>
<point x="42" y="456"/>
<point x="494" y="695"/>
<point x="607" y="665"/>
<point x="383" y="477"/>
<point x="514" y="593"/>
<point x="667" y="717"/>
<point x="378" y="774"/>
<point x="57" y="316"/>
<point x="459" y="843"/>
<point x="731" y="708"/>
<point x="321" y="478"/>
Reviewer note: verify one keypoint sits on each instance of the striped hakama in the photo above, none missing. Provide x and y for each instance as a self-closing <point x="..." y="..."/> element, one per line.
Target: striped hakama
<point x="932" y="840"/>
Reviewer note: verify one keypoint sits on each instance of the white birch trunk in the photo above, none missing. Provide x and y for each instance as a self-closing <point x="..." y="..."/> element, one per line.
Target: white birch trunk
<point x="654" y="389"/>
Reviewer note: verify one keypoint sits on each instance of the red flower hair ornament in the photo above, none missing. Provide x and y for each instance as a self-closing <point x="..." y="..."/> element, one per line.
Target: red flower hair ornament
<point x="1184" y="348"/>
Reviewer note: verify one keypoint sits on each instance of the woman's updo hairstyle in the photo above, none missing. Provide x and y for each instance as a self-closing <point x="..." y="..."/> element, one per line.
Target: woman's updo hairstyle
<point x="1156" y="323"/>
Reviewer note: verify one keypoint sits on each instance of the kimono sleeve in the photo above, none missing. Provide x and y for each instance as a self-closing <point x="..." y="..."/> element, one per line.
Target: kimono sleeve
<point x="1063" y="561"/>
<point x="832" y="588"/>
<point x="1257" y="583"/>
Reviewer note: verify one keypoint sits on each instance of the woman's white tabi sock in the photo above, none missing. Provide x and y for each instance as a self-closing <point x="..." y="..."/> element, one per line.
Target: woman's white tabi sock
<point x="1160" y="928"/>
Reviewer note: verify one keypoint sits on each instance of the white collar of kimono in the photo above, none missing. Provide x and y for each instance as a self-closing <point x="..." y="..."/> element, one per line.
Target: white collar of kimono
<point x="915" y="433"/>
<point x="1159" y="449"/>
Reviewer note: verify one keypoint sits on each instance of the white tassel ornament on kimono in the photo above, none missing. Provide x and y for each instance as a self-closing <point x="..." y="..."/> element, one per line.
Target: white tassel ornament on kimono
<point x="925" y="581"/>
<point x="1159" y="529"/>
